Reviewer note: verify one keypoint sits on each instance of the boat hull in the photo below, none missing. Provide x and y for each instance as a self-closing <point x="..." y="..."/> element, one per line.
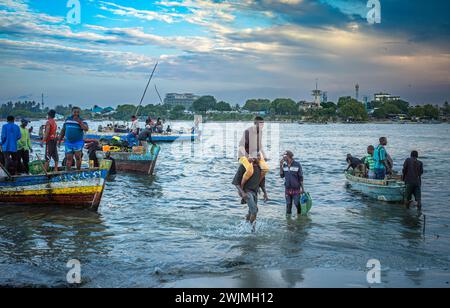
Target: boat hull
<point x="388" y="191"/>
<point x="135" y="163"/>
<point x="156" y="138"/>
<point x="67" y="189"/>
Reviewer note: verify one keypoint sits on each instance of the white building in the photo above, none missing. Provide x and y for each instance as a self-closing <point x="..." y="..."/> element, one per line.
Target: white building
<point x="385" y="97"/>
<point x="304" y="105"/>
<point x="186" y="99"/>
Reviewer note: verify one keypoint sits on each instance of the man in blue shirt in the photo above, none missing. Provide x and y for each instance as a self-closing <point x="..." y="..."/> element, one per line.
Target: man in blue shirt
<point x="380" y="158"/>
<point x="9" y="138"/>
<point x="73" y="132"/>
<point x="292" y="173"/>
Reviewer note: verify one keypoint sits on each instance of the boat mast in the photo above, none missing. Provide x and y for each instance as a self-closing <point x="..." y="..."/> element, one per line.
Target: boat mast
<point x="157" y="92"/>
<point x="145" y="91"/>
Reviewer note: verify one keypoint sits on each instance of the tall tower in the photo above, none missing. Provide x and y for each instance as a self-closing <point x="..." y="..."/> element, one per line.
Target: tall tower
<point x="357" y="92"/>
<point x="42" y="101"/>
<point x="317" y="95"/>
<point x="324" y="97"/>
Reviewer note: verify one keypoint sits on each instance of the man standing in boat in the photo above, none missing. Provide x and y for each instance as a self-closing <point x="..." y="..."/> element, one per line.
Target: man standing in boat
<point x="24" y="148"/>
<point x="380" y="155"/>
<point x="9" y="138"/>
<point x="51" y="140"/>
<point x="412" y="175"/>
<point x="134" y="129"/>
<point x="73" y="132"/>
<point x="292" y="173"/>
<point x="369" y="162"/>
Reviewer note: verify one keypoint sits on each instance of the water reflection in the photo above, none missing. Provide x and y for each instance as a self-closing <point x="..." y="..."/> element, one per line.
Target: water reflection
<point x="44" y="234"/>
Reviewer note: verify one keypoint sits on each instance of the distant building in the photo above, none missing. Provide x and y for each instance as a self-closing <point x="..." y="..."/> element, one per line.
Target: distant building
<point x="186" y="99"/>
<point x="385" y="97"/>
<point x="99" y="110"/>
<point x="317" y="94"/>
<point x="357" y="92"/>
<point x="304" y="105"/>
<point x="325" y="97"/>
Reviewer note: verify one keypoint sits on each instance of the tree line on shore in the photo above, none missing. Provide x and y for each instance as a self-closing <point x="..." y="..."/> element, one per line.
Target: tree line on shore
<point x="347" y="108"/>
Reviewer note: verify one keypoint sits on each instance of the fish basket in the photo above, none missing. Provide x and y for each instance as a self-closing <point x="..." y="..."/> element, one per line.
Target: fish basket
<point x="36" y="167"/>
<point x="105" y="164"/>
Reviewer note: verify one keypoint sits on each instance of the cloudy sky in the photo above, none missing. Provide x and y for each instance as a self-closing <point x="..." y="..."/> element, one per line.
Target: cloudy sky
<point x="232" y="49"/>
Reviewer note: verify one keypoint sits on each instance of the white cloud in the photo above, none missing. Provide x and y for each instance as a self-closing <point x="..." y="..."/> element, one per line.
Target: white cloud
<point x="141" y="14"/>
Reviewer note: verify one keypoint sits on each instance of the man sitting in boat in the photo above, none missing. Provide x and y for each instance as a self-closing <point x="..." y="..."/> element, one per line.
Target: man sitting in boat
<point x="412" y="175"/>
<point x="356" y="164"/>
<point x="73" y="132"/>
<point x="159" y="126"/>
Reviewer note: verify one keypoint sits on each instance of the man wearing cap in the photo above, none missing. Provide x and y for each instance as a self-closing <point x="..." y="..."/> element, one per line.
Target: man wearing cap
<point x="9" y="138"/>
<point x="24" y="148"/>
<point x="292" y="173"/>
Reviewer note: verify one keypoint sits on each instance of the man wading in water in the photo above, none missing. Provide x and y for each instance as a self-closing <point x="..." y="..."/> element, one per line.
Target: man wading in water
<point x="249" y="193"/>
<point x="251" y="146"/>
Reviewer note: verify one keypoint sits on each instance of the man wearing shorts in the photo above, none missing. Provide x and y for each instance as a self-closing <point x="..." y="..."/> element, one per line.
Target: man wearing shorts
<point x="73" y="135"/>
<point x="51" y="140"/>
<point x="250" y="191"/>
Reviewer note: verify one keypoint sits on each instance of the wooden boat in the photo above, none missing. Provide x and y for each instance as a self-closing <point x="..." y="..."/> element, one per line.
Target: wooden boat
<point x="158" y="138"/>
<point x="66" y="189"/>
<point x="389" y="190"/>
<point x="141" y="163"/>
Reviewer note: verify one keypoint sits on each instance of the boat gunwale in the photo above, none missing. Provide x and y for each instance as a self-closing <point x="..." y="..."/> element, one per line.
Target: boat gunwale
<point x="389" y="183"/>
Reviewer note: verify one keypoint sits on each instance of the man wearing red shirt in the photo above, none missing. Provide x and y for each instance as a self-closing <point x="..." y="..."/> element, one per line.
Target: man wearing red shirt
<point x="51" y="140"/>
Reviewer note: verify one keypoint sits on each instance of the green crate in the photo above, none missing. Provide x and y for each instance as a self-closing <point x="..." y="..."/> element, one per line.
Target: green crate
<point x="37" y="167"/>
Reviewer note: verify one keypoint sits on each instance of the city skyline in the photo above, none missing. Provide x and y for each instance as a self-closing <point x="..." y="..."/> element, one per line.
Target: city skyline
<point x="234" y="50"/>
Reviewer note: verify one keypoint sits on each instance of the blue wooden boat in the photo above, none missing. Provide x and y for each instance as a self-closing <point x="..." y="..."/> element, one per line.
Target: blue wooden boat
<point x="158" y="138"/>
<point x="389" y="190"/>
